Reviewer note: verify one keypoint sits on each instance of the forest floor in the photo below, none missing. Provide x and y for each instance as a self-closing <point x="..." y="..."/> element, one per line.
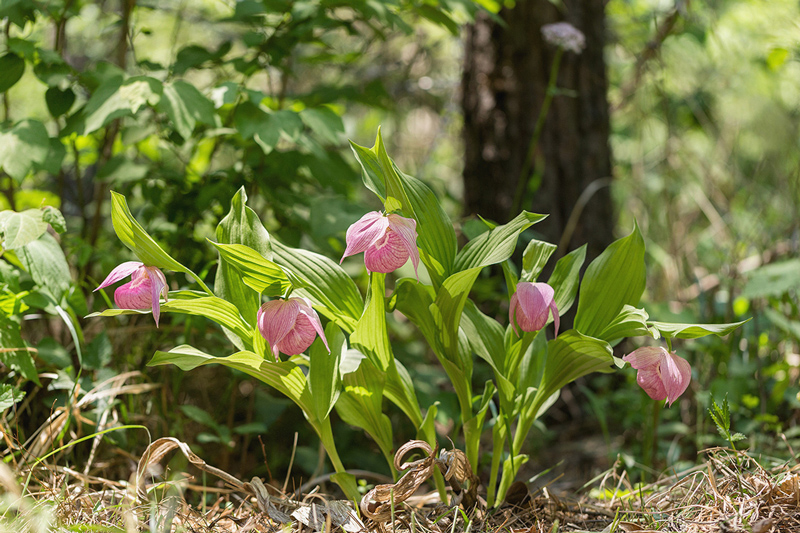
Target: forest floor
<point x="729" y="492"/>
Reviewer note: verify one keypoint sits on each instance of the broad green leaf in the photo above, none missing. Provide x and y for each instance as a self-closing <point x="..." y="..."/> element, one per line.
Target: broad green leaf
<point x="22" y="147"/>
<point x="220" y="311"/>
<point x="534" y="258"/>
<point x="630" y="322"/>
<point x="570" y="356"/>
<point x="285" y="123"/>
<point x="473" y="428"/>
<point x="774" y="279"/>
<point x="286" y="377"/>
<point x="53" y="216"/>
<point x="450" y="300"/>
<point x="44" y="260"/>
<point x="133" y="235"/>
<point x="12" y="67"/>
<point x="360" y="405"/>
<point x="9" y="396"/>
<point x="427" y="429"/>
<point x="324" y="122"/>
<point x="495" y="245"/>
<point x="615" y="278"/>
<point x="414" y="300"/>
<point x="323" y="282"/>
<point x="15" y="354"/>
<point x="186" y="106"/>
<point x="370" y="336"/>
<point x="399" y="389"/>
<point x="117" y="98"/>
<point x="485" y="336"/>
<point x="59" y="101"/>
<point x="258" y="273"/>
<point x="240" y="226"/>
<point x="694" y="331"/>
<point x="323" y="371"/>
<point x="565" y="279"/>
<point x="19" y="229"/>
<point x="531" y="367"/>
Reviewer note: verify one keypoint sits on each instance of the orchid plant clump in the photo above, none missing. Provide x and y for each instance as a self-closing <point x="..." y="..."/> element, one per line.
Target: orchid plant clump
<point x="349" y="364"/>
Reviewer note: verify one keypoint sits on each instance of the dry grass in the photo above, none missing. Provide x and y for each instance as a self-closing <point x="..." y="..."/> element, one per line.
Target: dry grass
<point x="729" y="492"/>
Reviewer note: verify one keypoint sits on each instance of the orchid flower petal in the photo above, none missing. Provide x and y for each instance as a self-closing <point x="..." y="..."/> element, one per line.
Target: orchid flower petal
<point x="387" y="254"/>
<point x="363" y="233"/>
<point x="651" y="382"/>
<point x="300" y="337"/>
<point x="307" y="310"/>
<point x="275" y="320"/>
<point x="646" y="357"/>
<point x="676" y="373"/>
<point x="533" y="305"/>
<point x="136" y="294"/>
<point x="556" y="318"/>
<point x="406" y="229"/>
<point x="120" y="272"/>
<point x="513" y="309"/>
<point x="158" y="284"/>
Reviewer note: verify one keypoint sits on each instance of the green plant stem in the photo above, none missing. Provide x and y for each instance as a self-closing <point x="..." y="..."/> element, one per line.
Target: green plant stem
<point x="325" y="433"/>
<point x="525" y="173"/>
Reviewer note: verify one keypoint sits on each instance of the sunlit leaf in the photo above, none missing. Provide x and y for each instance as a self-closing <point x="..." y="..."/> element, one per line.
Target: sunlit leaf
<point x="615" y="278"/>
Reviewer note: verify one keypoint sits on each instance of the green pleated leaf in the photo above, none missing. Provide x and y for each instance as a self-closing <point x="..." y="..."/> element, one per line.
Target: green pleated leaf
<point x="534" y="258"/>
<point x="360" y="405"/>
<point x="569" y="356"/>
<point x="694" y="331"/>
<point x="630" y="322"/>
<point x="220" y="311"/>
<point x="324" y="282"/>
<point x="44" y="260"/>
<point x="495" y="245"/>
<point x="133" y="235"/>
<point x="566" y="278"/>
<point x="257" y="272"/>
<point x="286" y="377"/>
<point x="615" y="278"/>
<point x="370" y="336"/>
<point x="399" y="389"/>
<point x="240" y="226"/>
<point x="414" y="300"/>
<point x="450" y="300"/>
<point x="485" y="336"/>
<point x="323" y="370"/>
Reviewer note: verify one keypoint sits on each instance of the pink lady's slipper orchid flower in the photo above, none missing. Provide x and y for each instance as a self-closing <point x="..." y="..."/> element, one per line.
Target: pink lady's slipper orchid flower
<point x="661" y="374"/>
<point x="147" y="284"/>
<point x="530" y="307"/>
<point x="289" y="326"/>
<point x="387" y="241"/>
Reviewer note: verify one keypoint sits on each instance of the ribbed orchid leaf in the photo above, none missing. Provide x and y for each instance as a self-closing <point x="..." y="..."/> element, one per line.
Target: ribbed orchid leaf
<point x="534" y="258"/>
<point x="257" y="272"/>
<point x="333" y="293"/>
<point x="370" y="336"/>
<point x="615" y="278"/>
<point x="286" y="377"/>
<point x="495" y="245"/>
<point x="694" y="331"/>
<point x="240" y="226"/>
<point x="323" y="371"/>
<point x="133" y="235"/>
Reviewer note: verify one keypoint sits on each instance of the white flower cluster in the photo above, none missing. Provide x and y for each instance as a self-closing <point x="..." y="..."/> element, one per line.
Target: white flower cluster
<point x="564" y="35"/>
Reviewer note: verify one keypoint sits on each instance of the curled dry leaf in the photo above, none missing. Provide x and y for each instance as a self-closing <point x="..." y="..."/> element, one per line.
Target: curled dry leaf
<point x="160" y="448"/>
<point x="377" y="503"/>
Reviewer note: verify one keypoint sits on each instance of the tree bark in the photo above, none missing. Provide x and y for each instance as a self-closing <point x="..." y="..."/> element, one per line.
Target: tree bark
<point x="504" y="84"/>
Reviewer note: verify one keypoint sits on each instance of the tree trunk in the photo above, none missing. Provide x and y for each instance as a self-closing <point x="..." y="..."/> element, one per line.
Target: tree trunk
<point x="504" y="85"/>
